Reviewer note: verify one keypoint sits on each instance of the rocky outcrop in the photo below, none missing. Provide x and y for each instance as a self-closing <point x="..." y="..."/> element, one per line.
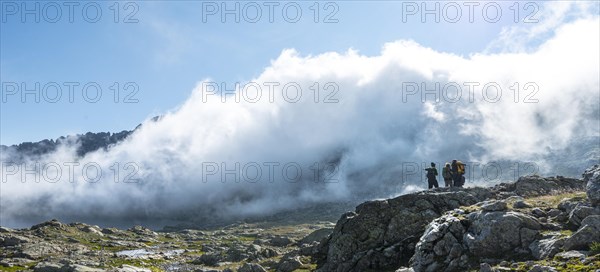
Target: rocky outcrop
<point x="588" y="233"/>
<point x="529" y="186"/>
<point x="384" y="234"/>
<point x="592" y="177"/>
<point x="450" y="241"/>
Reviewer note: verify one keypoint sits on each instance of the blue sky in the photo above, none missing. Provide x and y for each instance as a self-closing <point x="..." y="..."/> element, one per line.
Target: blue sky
<point x="170" y="49"/>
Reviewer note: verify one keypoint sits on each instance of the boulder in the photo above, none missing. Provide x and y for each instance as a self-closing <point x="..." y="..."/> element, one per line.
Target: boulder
<point x="39" y="250"/>
<point x="13" y="240"/>
<point x="139" y="230"/>
<point x="210" y="259"/>
<point x="579" y="213"/>
<point x="592" y="177"/>
<point x="521" y="204"/>
<point x="492" y="206"/>
<point x="537" y="212"/>
<point x="80" y="268"/>
<point x="289" y="264"/>
<point x="251" y="267"/>
<point x="541" y="268"/>
<point x="494" y="234"/>
<point x="585" y="235"/>
<point x="572" y="254"/>
<point x="6" y="230"/>
<point x="529" y="186"/>
<point x="450" y="241"/>
<point x="485" y="267"/>
<point x="567" y="205"/>
<point x="546" y="248"/>
<point x="280" y="241"/>
<point x="47" y="267"/>
<point x="582" y="238"/>
<point x="110" y="231"/>
<point x="93" y="230"/>
<point x="316" y="236"/>
<point x="51" y="223"/>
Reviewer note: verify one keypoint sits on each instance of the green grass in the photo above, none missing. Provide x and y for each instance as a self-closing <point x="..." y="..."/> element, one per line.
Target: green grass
<point x="595" y="248"/>
<point x="551" y="201"/>
<point x="11" y="269"/>
<point x="573" y="265"/>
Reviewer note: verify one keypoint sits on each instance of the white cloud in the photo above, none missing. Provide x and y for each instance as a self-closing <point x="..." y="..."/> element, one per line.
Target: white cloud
<point x="369" y="132"/>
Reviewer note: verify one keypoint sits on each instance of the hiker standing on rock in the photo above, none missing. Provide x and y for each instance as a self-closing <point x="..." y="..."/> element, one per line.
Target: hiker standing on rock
<point x="447" y="175"/>
<point x="458" y="170"/>
<point x="431" y="176"/>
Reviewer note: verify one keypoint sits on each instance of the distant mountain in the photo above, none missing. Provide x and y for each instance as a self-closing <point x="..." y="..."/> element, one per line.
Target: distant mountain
<point x="88" y="142"/>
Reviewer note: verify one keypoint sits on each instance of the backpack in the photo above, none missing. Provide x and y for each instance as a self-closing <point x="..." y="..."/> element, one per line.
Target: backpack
<point x="461" y="167"/>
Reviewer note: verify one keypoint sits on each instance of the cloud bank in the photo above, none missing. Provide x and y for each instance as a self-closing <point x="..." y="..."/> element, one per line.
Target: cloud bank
<point x="371" y="120"/>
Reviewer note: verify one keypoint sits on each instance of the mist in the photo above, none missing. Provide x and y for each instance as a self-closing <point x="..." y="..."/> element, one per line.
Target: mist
<point x="366" y="130"/>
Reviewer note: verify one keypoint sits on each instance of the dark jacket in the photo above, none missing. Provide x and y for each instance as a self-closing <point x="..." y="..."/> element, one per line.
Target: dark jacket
<point x="454" y="168"/>
<point x="431" y="172"/>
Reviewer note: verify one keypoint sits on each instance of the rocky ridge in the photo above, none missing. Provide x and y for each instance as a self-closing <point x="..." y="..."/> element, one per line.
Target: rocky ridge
<point x="451" y="229"/>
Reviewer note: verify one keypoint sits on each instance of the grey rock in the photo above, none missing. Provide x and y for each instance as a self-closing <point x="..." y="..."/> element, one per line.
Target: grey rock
<point x="210" y="259"/>
<point x="139" y="230"/>
<point x="592" y="177"/>
<point x="316" y="236"/>
<point x="280" y="241"/>
<point x="79" y="268"/>
<point x="6" y="230"/>
<point x="521" y="204"/>
<point x="535" y="185"/>
<point x="592" y="221"/>
<point x="485" y="267"/>
<point x="541" y="268"/>
<point x="537" y="212"/>
<point x="579" y="213"/>
<point x="110" y="231"/>
<point x="51" y="223"/>
<point x="546" y="248"/>
<point x="582" y="238"/>
<point x="92" y="229"/>
<point x="554" y="212"/>
<point x="251" y="267"/>
<point x="13" y="240"/>
<point x="572" y="254"/>
<point x="485" y="236"/>
<point x="38" y="250"/>
<point x="47" y="267"/>
<point x="493" y="206"/>
<point x="493" y="234"/>
<point x="567" y="205"/>
<point x="289" y="264"/>
<point x="130" y="268"/>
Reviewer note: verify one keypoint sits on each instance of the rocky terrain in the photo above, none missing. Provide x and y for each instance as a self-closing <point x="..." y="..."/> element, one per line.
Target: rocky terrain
<point x="533" y="224"/>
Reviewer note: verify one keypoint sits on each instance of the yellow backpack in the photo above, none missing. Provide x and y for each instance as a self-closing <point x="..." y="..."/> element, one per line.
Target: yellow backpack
<point x="461" y="167"/>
